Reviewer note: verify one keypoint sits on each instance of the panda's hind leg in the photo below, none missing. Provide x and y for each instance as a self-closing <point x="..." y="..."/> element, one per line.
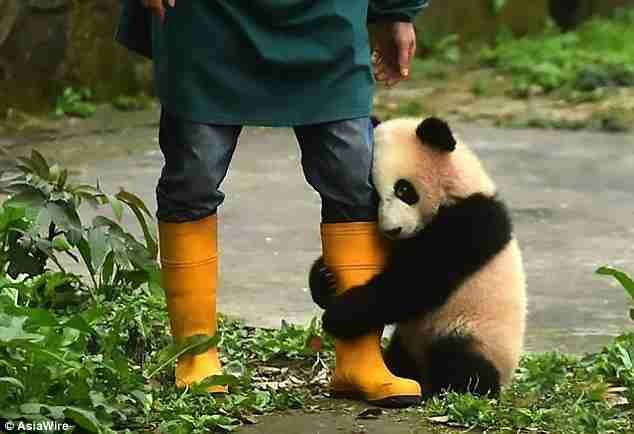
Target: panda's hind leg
<point x="454" y="362"/>
<point x="398" y="360"/>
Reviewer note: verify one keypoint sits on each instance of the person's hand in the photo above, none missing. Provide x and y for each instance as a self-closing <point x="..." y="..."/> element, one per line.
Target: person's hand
<point x="393" y="48"/>
<point x="157" y="6"/>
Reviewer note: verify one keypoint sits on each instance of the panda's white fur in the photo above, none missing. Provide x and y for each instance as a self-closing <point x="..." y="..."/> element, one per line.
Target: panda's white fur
<point x="474" y="334"/>
<point x="491" y="304"/>
<point x="439" y="177"/>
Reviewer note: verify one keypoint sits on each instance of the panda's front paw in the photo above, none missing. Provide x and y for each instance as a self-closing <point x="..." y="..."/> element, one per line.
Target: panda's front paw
<point x="337" y="322"/>
<point x="322" y="283"/>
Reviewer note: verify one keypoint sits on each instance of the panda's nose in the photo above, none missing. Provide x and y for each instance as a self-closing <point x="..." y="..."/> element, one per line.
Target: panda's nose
<point x="393" y="233"/>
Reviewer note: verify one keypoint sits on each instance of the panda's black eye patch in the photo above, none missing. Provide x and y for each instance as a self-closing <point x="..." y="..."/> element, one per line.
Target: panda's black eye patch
<point x="406" y="192"/>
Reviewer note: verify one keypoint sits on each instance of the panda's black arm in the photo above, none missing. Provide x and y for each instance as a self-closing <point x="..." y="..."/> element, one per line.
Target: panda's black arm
<point x="358" y="310"/>
<point x="423" y="272"/>
<point x="321" y="283"/>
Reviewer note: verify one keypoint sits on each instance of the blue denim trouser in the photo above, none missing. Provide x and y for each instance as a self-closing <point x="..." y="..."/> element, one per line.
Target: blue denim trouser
<point x="336" y="159"/>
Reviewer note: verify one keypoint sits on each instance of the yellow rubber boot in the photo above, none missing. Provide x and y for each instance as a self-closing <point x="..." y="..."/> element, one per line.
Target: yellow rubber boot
<point x="355" y="252"/>
<point x="189" y="272"/>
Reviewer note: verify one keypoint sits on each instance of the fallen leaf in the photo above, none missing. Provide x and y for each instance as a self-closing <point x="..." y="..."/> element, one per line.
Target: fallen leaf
<point x="438" y="419"/>
<point x="269" y="370"/>
<point x="294" y="379"/>
<point x="251" y="420"/>
<point x="370" y="413"/>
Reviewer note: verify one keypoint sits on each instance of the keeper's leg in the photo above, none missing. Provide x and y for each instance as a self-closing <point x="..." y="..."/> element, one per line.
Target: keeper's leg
<point x="197" y="158"/>
<point x="337" y="162"/>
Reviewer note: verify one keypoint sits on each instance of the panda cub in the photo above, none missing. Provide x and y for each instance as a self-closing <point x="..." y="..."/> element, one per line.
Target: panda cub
<point x="453" y="282"/>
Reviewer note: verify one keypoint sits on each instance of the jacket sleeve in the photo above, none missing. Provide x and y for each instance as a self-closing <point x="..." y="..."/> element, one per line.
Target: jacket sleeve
<point x="135" y="28"/>
<point x="394" y="10"/>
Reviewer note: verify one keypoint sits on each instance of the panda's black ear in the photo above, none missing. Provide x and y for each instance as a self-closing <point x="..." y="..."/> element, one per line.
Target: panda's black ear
<point x="375" y="121"/>
<point x="437" y="134"/>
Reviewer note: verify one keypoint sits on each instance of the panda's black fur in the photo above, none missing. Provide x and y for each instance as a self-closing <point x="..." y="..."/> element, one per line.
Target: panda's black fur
<point x="420" y="275"/>
<point x="453" y="364"/>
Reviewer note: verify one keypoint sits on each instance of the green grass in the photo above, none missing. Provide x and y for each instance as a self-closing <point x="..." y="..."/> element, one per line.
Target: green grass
<point x="598" y="54"/>
<point x="553" y="392"/>
<point x="258" y="364"/>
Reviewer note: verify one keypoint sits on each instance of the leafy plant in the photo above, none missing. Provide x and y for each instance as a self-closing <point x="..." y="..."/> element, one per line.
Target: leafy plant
<point x="624" y="279"/>
<point x="41" y="222"/>
<point x="596" y="55"/>
<point x="447" y="49"/>
<point x="75" y="102"/>
<point x="498" y="5"/>
<point x="63" y="344"/>
<point x="93" y="349"/>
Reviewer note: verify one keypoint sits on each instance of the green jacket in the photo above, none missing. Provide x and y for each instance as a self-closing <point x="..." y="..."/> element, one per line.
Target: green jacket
<point x="262" y="62"/>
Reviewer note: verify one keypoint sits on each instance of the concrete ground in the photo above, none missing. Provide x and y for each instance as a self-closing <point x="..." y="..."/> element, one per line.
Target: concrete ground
<point x="571" y="194"/>
<point x="344" y="422"/>
<point x="572" y="197"/>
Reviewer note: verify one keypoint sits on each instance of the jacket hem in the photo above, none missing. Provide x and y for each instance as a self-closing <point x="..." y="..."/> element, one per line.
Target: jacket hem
<point x="255" y="122"/>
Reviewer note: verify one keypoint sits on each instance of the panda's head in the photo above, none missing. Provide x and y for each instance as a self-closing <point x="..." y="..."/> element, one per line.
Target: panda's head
<point x="419" y="166"/>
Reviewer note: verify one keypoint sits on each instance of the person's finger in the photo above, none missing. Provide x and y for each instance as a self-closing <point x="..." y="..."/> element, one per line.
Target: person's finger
<point x="393" y="74"/>
<point x="172" y="3"/>
<point x="156" y="7"/>
<point x="404" y="55"/>
<point x="380" y="77"/>
<point x="404" y="44"/>
<point x="391" y="82"/>
<point x="159" y="11"/>
<point x="383" y="71"/>
<point x="389" y="78"/>
<point x="380" y="70"/>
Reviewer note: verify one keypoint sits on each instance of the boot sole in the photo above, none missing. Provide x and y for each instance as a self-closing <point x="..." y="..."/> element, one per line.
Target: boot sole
<point x="389" y="402"/>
